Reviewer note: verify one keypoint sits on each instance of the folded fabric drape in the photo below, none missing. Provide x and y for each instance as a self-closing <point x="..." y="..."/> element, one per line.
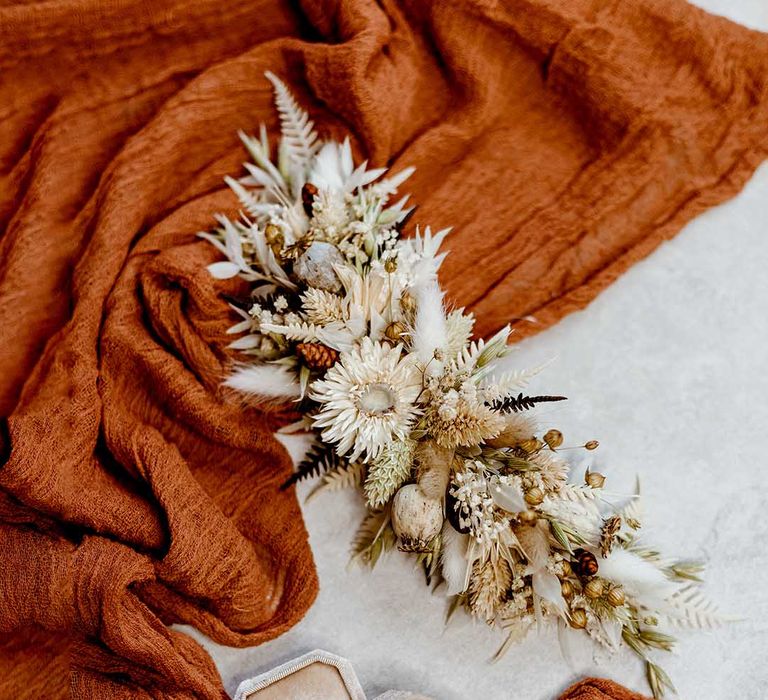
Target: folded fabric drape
<point x="562" y="140"/>
<point x="599" y="689"/>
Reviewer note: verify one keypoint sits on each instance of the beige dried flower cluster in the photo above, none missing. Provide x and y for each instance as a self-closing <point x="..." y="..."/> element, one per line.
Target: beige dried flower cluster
<point x="346" y="318"/>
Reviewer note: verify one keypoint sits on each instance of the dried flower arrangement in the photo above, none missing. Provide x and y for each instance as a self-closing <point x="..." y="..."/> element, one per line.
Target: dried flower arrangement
<point x="347" y="318"/>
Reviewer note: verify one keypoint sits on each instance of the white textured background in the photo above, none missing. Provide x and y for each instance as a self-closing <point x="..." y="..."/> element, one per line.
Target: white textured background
<point x="668" y="368"/>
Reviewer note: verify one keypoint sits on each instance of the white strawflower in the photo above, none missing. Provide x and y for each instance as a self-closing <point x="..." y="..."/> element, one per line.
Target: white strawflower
<point x="367" y="399"/>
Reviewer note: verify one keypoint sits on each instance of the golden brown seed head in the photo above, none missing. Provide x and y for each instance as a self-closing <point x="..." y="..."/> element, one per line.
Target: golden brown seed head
<point x="528" y="517"/>
<point x="553" y="438"/>
<point x="578" y="619"/>
<point x="394" y="331"/>
<point x="566" y="588"/>
<point x="391" y="265"/>
<point x="594" y="480"/>
<point x="531" y="445"/>
<point x="408" y="304"/>
<point x="567" y="570"/>
<point x="592" y="445"/>
<point x="616" y="596"/>
<point x="534" y="496"/>
<point x="593" y="588"/>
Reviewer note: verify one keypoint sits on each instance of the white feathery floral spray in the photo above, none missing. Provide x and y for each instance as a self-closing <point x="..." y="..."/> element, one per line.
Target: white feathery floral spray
<point x="346" y="318"/>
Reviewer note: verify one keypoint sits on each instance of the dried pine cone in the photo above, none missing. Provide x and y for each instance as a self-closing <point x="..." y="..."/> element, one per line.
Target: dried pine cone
<point x="317" y="355"/>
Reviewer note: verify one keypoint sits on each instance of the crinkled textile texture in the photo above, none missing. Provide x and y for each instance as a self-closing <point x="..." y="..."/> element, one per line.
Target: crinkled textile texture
<point x="563" y="139"/>
<point x="599" y="689"/>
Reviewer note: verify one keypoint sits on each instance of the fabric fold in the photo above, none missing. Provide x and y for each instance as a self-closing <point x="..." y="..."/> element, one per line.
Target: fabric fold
<point x="563" y="141"/>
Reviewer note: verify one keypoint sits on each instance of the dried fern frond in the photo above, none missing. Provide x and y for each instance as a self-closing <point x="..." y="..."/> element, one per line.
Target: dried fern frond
<point x="501" y="386"/>
<point x="346" y="476"/>
<point x="374" y="537"/>
<point x="334" y="335"/>
<point x="510" y="403"/>
<point x="477" y="357"/>
<point x="299" y="139"/>
<point x="691" y="609"/>
<point x="320" y="458"/>
<point x="250" y="200"/>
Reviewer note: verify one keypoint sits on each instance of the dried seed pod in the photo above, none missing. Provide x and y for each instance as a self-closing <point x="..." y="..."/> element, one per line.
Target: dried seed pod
<point x="390" y="265"/>
<point x="308" y="194"/>
<point x="528" y="517"/>
<point x="408" y="305"/>
<point x="585" y="564"/>
<point x="578" y="619"/>
<point x="530" y="446"/>
<point x="616" y="596"/>
<point x="592" y="445"/>
<point x="534" y="496"/>
<point x="394" y="331"/>
<point x="416" y="519"/>
<point x="566" y="588"/>
<point x="594" y="588"/>
<point x="553" y="438"/>
<point x="317" y="355"/>
<point x="594" y="480"/>
<point x="566" y="567"/>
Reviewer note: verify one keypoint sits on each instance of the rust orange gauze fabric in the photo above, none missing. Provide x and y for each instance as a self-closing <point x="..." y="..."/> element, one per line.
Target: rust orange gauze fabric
<point x="563" y="139"/>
